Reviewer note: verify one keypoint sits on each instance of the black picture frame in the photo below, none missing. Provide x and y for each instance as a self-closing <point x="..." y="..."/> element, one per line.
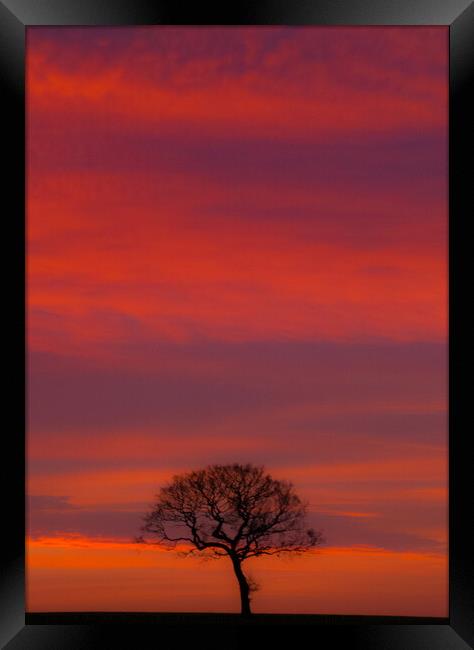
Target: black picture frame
<point x="18" y="630"/>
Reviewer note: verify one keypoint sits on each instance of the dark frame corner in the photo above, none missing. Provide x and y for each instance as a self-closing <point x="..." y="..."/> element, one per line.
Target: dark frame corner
<point x="457" y="633"/>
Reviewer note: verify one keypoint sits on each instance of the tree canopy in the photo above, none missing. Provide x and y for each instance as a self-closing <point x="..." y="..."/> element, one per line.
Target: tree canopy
<point x="235" y="510"/>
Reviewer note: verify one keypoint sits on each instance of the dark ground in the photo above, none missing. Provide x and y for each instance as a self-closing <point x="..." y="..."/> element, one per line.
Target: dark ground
<point x="91" y="618"/>
<point x="181" y="631"/>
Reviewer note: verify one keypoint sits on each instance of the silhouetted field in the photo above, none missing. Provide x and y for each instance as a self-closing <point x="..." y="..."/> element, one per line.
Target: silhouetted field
<point x="179" y="619"/>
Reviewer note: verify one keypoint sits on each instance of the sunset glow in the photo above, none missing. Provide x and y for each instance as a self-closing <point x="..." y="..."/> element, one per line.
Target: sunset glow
<point x="237" y="252"/>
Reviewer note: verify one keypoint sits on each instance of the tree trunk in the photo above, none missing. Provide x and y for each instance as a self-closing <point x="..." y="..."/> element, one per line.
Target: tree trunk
<point x="243" y="586"/>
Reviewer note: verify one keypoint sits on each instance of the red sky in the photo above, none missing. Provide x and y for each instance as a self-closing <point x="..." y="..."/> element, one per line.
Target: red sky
<point x="237" y="251"/>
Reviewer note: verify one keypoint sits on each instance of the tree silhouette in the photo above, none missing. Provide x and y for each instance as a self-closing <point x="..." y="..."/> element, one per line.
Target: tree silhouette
<point x="235" y="511"/>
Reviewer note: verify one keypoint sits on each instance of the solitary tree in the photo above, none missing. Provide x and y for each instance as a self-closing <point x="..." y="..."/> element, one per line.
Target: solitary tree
<point x="235" y="511"/>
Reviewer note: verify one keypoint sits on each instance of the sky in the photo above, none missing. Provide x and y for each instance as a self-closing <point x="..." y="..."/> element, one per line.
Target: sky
<point x="237" y="252"/>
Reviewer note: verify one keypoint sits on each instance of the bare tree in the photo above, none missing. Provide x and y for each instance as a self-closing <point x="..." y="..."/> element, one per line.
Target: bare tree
<point x="235" y="511"/>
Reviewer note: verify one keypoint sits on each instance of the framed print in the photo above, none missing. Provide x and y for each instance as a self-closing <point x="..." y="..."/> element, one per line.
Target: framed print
<point x="239" y="244"/>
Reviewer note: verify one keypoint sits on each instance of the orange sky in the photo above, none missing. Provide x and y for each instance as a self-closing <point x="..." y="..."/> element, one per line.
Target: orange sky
<point x="237" y="251"/>
<point x="147" y="579"/>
